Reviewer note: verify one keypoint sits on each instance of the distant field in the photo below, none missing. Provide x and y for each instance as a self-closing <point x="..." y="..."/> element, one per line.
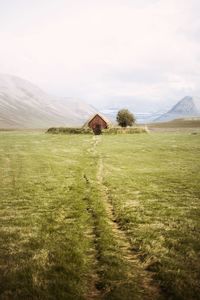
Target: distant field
<point x="189" y="125"/>
<point x="107" y="217"/>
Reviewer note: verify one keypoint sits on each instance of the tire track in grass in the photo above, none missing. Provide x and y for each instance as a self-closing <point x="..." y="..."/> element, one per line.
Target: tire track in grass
<point x="148" y="289"/>
<point x="95" y="280"/>
<point x="93" y="292"/>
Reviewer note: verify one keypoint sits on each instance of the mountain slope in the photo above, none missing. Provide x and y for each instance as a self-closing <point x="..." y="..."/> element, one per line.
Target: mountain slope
<point x="24" y="105"/>
<point x="186" y="107"/>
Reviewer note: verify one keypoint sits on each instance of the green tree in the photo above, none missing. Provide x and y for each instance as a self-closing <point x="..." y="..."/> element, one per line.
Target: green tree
<point x="125" y="118"/>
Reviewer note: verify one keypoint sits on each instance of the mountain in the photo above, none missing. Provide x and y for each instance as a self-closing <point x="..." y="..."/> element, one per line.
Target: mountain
<point x="186" y="107"/>
<point x="24" y="105"/>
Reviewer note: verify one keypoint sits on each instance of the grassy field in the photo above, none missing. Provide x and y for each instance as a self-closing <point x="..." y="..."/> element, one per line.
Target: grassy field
<point x="107" y="217"/>
<point x="189" y="125"/>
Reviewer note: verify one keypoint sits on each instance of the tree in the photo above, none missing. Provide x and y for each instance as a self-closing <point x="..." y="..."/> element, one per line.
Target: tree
<point x="125" y="118"/>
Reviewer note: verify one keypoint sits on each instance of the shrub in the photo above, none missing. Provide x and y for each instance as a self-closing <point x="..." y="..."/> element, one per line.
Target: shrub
<point x="69" y="130"/>
<point x="111" y="130"/>
<point x="129" y="130"/>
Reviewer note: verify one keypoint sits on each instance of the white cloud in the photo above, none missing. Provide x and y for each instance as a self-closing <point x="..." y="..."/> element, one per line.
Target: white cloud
<point x="144" y="49"/>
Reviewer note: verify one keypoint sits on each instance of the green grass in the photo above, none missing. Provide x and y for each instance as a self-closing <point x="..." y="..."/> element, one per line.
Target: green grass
<point x="154" y="188"/>
<point x="57" y="237"/>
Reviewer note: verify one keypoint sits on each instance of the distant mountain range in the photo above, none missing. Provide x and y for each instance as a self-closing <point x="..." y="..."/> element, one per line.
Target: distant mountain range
<point x="24" y="105"/>
<point x="186" y="107"/>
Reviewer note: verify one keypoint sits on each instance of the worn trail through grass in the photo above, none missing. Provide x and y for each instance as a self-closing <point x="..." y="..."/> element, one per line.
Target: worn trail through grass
<point x="146" y="287"/>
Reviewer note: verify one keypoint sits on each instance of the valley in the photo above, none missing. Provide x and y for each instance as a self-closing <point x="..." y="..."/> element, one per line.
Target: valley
<point x="107" y="217"/>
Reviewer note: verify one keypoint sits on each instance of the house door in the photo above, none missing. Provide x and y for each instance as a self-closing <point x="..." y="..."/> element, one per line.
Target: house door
<point x="97" y="129"/>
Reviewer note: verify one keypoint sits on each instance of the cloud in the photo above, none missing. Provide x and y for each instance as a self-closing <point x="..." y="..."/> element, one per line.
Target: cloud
<point x="104" y="50"/>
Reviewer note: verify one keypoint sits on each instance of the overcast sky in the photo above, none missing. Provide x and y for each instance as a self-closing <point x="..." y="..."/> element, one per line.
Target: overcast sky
<point x="108" y="52"/>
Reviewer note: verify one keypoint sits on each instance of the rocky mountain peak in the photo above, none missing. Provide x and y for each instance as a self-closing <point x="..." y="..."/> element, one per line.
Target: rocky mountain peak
<point x="186" y="107"/>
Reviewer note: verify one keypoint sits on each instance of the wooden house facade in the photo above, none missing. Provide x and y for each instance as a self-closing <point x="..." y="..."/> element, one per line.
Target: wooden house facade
<point x="97" y="123"/>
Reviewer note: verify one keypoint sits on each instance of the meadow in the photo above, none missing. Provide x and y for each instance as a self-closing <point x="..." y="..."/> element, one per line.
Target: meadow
<point x="105" y="217"/>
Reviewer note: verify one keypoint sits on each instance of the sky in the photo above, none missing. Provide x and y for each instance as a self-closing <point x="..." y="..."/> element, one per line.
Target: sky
<point x="143" y="54"/>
